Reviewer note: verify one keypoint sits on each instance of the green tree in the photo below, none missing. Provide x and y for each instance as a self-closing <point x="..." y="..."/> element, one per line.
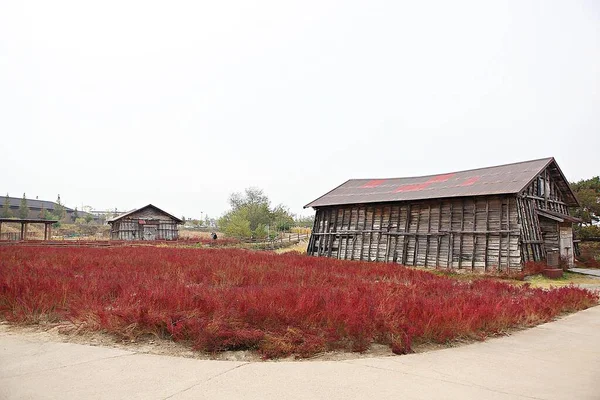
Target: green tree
<point x="254" y="207"/>
<point x="282" y="218"/>
<point x="23" y="209"/>
<point x="260" y="232"/>
<point x="59" y="210"/>
<point x="304" y="221"/>
<point x="588" y="194"/>
<point x="42" y="214"/>
<point x="75" y="214"/>
<point x="238" y="226"/>
<point x="6" y="213"/>
<point x="88" y="218"/>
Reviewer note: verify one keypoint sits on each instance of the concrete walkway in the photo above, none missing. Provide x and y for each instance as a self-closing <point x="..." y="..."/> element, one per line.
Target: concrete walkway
<point x="586" y="271"/>
<point x="558" y="360"/>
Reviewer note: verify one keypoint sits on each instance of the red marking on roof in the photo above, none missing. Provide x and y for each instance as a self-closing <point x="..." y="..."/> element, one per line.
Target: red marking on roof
<point x="440" y="178"/>
<point x="470" y="181"/>
<point x="412" y="187"/>
<point x="373" y="183"/>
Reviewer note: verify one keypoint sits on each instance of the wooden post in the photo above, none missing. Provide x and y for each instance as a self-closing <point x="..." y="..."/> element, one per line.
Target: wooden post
<point x="0" y="230"/>
<point x="416" y="251"/>
<point x="499" y="267"/>
<point x="395" y="254"/>
<point x="428" y="232"/>
<point x="22" y="230"/>
<point x="350" y="226"/>
<point x="474" y="235"/>
<point x="508" y="234"/>
<point x="405" y="237"/>
<point x="339" y="252"/>
<point x="388" y="243"/>
<point x="371" y="234"/>
<point x="362" y="234"/>
<point x="438" y="239"/>
<point x="313" y="237"/>
<point x="379" y="233"/>
<point x="451" y="239"/>
<point x="462" y="228"/>
<point x="487" y="235"/>
<point x="333" y="235"/>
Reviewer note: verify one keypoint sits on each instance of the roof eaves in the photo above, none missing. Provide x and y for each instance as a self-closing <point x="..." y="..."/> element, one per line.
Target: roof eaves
<point x="320" y="197"/>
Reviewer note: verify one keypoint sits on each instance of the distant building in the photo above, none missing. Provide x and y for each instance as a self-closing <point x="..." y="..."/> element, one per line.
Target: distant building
<point x="493" y="218"/>
<point x="35" y="208"/>
<point x="146" y="223"/>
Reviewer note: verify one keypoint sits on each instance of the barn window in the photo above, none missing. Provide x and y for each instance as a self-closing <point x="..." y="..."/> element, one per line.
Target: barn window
<point x="541" y="187"/>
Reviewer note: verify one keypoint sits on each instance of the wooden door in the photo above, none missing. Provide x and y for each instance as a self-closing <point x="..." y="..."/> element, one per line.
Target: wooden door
<point x="150" y="232"/>
<point x="566" y="244"/>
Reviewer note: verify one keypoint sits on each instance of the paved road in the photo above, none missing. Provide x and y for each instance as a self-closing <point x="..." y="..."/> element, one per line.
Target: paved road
<point x="559" y="360"/>
<point x="586" y="271"/>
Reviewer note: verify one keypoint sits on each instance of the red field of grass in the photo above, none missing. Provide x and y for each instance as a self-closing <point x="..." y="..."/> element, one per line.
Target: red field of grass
<point x="278" y="305"/>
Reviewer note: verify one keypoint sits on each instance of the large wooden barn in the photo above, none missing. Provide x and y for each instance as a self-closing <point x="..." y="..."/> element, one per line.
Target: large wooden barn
<point x="146" y="223"/>
<point x="492" y="218"/>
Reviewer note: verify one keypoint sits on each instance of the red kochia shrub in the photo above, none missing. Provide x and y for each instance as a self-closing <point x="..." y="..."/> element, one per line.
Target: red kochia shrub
<point x="228" y="299"/>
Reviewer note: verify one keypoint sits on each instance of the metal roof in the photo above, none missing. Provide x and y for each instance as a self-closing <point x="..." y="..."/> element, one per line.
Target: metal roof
<point x="139" y="209"/>
<point x="502" y="179"/>
<point x="31" y="203"/>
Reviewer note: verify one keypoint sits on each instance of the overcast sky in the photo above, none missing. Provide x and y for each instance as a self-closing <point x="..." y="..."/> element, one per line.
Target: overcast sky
<point x="121" y="104"/>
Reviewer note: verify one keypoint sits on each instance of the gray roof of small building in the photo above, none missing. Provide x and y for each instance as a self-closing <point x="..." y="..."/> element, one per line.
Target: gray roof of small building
<point x="502" y="179"/>
<point x="32" y="203"/>
<point x="118" y="217"/>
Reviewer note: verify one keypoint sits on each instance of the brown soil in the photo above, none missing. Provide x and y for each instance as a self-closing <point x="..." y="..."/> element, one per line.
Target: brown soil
<point x="66" y="333"/>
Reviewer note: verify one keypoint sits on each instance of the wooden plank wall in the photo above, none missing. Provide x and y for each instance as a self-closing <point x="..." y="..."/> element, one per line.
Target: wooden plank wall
<point x="475" y="233"/>
<point x="550" y="198"/>
<point x="129" y="228"/>
<point x="540" y="234"/>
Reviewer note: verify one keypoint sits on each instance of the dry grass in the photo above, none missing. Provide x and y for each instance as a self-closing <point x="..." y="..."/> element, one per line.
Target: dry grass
<point x="569" y="278"/>
<point x="299" y="248"/>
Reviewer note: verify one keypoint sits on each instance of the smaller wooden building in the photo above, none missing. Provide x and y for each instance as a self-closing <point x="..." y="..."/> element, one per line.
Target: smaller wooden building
<point x="146" y="223"/>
